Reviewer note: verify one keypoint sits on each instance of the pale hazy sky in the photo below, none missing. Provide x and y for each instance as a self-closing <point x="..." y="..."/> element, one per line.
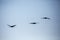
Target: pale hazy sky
<point x="22" y="13"/>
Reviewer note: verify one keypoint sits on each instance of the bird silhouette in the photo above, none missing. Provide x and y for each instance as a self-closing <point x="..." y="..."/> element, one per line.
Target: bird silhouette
<point x="45" y="18"/>
<point x="12" y="25"/>
<point x="33" y="23"/>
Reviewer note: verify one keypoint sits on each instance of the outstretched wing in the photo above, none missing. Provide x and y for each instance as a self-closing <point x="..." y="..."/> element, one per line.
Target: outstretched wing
<point x="13" y="25"/>
<point x="8" y="25"/>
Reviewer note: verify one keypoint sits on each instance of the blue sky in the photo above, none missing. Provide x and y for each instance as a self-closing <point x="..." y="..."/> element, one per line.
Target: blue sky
<point x="22" y="13"/>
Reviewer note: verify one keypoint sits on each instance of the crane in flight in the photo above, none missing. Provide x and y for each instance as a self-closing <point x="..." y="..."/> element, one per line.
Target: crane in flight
<point x="45" y="18"/>
<point x="11" y="25"/>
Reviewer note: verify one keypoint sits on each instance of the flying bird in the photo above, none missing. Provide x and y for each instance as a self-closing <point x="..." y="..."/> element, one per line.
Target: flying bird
<point x="12" y="25"/>
<point x="45" y="18"/>
<point x="33" y="23"/>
